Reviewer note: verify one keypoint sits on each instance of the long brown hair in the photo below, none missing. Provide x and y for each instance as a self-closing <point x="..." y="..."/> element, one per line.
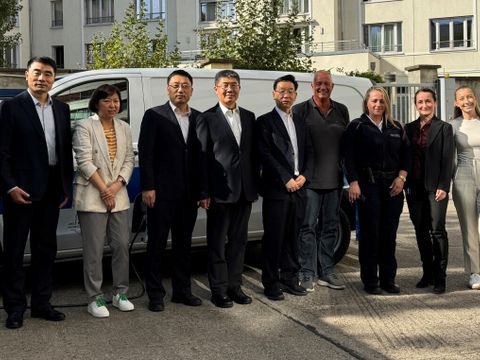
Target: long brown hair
<point x="457" y="112"/>
<point x="387" y="115"/>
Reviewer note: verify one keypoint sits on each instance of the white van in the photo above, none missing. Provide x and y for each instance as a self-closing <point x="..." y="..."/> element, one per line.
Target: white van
<point x="142" y="89"/>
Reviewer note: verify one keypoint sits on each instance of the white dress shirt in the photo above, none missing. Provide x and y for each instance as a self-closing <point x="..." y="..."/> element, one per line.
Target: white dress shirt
<point x="233" y="119"/>
<point x="292" y="133"/>
<point x="182" y="118"/>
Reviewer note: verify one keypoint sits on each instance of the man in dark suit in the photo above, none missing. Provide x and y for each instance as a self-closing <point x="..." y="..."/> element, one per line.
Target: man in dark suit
<point x="36" y="170"/>
<point x="229" y="186"/>
<point x="286" y="157"/>
<point x="167" y="148"/>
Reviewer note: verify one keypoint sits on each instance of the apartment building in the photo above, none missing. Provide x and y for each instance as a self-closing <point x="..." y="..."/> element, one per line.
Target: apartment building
<point x="386" y="36"/>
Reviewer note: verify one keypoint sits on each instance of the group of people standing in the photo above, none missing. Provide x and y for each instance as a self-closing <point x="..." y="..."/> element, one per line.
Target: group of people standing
<point x="295" y="157"/>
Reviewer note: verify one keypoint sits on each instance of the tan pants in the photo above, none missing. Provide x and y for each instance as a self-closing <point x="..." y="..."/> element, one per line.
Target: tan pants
<point x="466" y="197"/>
<point x="99" y="229"/>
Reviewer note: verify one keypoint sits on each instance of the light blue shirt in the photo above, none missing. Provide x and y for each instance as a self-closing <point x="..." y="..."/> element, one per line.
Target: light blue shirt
<point x="47" y="120"/>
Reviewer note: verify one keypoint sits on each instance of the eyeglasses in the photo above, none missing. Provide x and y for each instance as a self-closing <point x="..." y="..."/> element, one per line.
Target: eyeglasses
<point x="178" y="86"/>
<point x="225" y="86"/>
<point x="283" y="92"/>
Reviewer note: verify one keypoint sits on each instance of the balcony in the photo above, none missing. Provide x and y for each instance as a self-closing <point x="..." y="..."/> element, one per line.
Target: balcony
<point x="154" y="16"/>
<point x="338" y="46"/>
<point x="100" y="20"/>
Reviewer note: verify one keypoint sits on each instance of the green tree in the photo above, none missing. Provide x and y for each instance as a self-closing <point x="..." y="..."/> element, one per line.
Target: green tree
<point x="259" y="37"/>
<point x="8" y="14"/>
<point x="129" y="44"/>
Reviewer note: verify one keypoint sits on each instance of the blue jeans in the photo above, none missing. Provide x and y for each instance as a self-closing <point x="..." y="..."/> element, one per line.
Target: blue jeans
<point x="318" y="233"/>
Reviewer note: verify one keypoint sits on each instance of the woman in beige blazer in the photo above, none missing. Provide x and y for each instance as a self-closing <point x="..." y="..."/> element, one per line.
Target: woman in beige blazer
<point x="105" y="159"/>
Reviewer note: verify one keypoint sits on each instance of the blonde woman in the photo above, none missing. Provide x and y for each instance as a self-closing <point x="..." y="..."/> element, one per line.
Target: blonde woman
<point x="466" y="180"/>
<point x="104" y="154"/>
<point x="377" y="161"/>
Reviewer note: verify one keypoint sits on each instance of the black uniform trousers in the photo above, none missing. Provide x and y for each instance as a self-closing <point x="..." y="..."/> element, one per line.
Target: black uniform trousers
<point x="428" y="218"/>
<point x="39" y="220"/>
<point x="177" y="217"/>
<point x="227" y="234"/>
<point x="379" y="215"/>
<point x="281" y="222"/>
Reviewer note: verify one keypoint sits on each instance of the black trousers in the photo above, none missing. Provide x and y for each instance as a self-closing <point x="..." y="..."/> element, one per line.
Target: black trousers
<point x="178" y="217"/>
<point x="379" y="215"/>
<point x="39" y="220"/>
<point x="281" y="222"/>
<point x="428" y="218"/>
<point x="227" y="234"/>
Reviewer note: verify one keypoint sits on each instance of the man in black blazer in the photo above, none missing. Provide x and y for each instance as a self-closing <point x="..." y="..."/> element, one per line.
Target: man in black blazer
<point x="229" y="186"/>
<point x="168" y="147"/>
<point x="286" y="158"/>
<point x="36" y="170"/>
<point x="427" y="187"/>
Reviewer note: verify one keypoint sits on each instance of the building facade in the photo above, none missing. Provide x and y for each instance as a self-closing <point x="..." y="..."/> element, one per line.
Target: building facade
<point x="386" y="36"/>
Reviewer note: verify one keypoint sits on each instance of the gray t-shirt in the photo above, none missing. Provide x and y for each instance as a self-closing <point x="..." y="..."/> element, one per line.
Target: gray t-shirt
<point x="326" y="132"/>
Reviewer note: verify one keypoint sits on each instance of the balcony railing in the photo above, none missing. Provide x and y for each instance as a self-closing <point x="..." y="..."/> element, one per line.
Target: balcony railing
<point x="100" y="20"/>
<point x="335" y="46"/>
<point x="154" y="16"/>
<point x="57" y="22"/>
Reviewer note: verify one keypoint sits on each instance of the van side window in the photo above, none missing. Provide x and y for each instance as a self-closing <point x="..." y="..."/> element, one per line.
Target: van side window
<point x="77" y="98"/>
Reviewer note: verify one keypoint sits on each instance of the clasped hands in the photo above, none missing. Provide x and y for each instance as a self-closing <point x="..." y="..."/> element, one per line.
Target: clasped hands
<point x="295" y="184"/>
<point x="108" y="194"/>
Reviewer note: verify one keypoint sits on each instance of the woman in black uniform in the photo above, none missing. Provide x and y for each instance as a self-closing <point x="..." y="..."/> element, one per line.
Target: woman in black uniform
<point x="377" y="161"/>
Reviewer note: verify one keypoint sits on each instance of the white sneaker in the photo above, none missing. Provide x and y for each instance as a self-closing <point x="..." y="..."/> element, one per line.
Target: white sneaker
<point x="121" y="302"/>
<point x="474" y="281"/>
<point x="98" y="308"/>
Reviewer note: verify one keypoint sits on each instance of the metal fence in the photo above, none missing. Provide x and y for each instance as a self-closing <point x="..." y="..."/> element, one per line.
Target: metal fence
<point x="402" y="98"/>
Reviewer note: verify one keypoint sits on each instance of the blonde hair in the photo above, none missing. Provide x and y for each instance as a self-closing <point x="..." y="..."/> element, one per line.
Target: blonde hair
<point x="387" y="115"/>
<point x="457" y="112"/>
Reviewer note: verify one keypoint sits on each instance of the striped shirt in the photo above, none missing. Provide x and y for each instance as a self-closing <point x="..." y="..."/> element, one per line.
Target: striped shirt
<point x="111" y="143"/>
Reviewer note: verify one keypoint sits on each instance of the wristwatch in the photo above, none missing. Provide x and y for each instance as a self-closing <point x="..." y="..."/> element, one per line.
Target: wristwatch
<point x="122" y="180"/>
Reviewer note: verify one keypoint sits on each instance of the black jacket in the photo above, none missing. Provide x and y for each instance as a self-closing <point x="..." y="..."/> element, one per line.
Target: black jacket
<point x="276" y="153"/>
<point x="229" y="171"/>
<point x="438" y="155"/>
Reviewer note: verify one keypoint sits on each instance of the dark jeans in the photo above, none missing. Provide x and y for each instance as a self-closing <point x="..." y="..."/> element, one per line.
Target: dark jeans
<point x="428" y="218"/>
<point x="281" y="219"/>
<point x="379" y="215"/>
<point x="318" y="233"/>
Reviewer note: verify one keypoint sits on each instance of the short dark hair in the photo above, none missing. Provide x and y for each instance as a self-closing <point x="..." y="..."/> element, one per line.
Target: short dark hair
<point x="43" y="60"/>
<point x="102" y="92"/>
<point x="227" y="74"/>
<point x="289" y="78"/>
<point x="427" y="90"/>
<point x="180" y="72"/>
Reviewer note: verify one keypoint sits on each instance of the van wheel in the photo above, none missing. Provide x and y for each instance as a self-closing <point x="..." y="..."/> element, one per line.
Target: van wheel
<point x="343" y="237"/>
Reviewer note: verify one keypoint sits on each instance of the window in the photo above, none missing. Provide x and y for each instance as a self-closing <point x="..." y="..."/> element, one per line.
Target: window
<point x="57" y="13"/>
<point x="451" y="33"/>
<point x="213" y="10"/>
<point x="10" y="57"/>
<point x="99" y="11"/>
<point x="88" y="53"/>
<point x="384" y="38"/>
<point x="154" y="9"/>
<point x="77" y="98"/>
<point x="302" y="33"/>
<point x="302" y="6"/>
<point x="58" y="55"/>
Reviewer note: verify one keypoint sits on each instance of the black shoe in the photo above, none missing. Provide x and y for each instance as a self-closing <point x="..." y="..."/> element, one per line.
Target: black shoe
<point x="189" y="300"/>
<point x="293" y="288"/>
<point x="156" y="305"/>
<point x="222" y="301"/>
<point x="391" y="288"/>
<point x="273" y="293"/>
<point x="14" y="320"/>
<point x="239" y="296"/>
<point x="439" y="288"/>
<point x="373" y="290"/>
<point x="47" y="313"/>
<point x="424" y="282"/>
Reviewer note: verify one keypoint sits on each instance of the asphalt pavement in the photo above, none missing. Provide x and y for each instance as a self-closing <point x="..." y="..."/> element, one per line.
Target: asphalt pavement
<point x="326" y="324"/>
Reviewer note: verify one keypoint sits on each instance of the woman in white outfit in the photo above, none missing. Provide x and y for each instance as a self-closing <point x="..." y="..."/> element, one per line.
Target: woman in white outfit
<point x="466" y="180"/>
<point x="105" y="159"/>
